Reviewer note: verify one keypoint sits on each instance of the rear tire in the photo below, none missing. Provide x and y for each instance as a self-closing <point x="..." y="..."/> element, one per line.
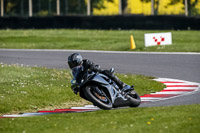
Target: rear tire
<point x="103" y="104"/>
<point x="134" y="99"/>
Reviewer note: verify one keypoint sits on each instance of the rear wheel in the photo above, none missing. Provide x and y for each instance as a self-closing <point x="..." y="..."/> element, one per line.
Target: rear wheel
<point x="134" y="99"/>
<point x="98" y="97"/>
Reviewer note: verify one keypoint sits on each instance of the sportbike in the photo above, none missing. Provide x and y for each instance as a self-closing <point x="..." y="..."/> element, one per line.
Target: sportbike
<point x="104" y="92"/>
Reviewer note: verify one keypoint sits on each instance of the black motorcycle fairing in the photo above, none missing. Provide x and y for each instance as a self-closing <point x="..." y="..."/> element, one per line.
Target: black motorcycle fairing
<point x="98" y="78"/>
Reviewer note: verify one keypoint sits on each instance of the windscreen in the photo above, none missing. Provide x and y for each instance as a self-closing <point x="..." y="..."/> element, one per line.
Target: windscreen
<point x="76" y="71"/>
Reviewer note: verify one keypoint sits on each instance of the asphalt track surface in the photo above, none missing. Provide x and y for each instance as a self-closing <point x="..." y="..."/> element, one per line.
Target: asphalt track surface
<point x="184" y="66"/>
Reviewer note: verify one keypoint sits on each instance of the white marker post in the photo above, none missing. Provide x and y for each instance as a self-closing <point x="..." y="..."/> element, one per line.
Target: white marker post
<point x="30" y="8"/>
<point x="156" y="39"/>
<point x="58" y="7"/>
<point x="2" y="8"/>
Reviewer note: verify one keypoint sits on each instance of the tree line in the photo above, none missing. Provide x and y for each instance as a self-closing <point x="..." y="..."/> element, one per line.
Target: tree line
<point x="71" y="7"/>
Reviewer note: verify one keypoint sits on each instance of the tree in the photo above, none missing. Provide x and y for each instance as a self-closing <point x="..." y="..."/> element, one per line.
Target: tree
<point x="80" y="6"/>
<point x="10" y="7"/>
<point x="98" y="4"/>
<point x="191" y="5"/>
<point x="124" y="5"/>
<point x="156" y="5"/>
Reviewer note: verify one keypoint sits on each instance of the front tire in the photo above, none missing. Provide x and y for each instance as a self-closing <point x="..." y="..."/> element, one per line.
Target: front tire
<point x="100" y="100"/>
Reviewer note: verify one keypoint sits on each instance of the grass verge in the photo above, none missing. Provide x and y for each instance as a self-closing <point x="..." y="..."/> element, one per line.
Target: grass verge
<point x="114" y="40"/>
<point x="183" y="119"/>
<point x="28" y="89"/>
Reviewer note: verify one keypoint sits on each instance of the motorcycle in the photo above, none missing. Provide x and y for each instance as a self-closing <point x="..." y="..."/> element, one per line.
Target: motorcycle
<point x="104" y="92"/>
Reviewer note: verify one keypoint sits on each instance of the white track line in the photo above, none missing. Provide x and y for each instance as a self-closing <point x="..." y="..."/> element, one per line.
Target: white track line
<point x="99" y="51"/>
<point x="179" y="83"/>
<point x="173" y="92"/>
<point x="149" y="99"/>
<point x="184" y="88"/>
<point x="86" y="107"/>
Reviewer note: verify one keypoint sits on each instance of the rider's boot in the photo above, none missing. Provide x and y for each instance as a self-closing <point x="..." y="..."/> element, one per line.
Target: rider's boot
<point x="119" y="82"/>
<point x="122" y="86"/>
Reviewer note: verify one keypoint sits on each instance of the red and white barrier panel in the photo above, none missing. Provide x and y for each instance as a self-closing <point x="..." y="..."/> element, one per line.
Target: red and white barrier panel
<point x="174" y="87"/>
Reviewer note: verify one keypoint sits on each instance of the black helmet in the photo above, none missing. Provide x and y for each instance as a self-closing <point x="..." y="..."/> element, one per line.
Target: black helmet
<point x="74" y="60"/>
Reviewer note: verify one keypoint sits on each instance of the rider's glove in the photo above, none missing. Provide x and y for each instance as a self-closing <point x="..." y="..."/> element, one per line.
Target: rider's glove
<point x="75" y="90"/>
<point x="74" y="86"/>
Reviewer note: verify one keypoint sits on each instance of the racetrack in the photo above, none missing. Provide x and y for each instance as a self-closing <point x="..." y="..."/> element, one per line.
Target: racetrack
<point x="184" y="66"/>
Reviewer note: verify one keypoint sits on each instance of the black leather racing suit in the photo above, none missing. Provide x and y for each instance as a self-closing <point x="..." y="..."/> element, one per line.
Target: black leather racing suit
<point x="87" y="64"/>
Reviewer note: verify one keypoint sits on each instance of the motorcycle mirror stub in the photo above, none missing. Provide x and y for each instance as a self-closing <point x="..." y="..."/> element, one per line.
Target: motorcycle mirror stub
<point x="112" y="70"/>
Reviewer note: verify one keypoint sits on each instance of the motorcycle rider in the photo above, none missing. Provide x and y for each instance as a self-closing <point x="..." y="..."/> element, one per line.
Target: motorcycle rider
<point x="79" y="66"/>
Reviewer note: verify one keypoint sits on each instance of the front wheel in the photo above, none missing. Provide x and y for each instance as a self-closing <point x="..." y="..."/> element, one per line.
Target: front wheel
<point x="98" y="97"/>
<point x="134" y="99"/>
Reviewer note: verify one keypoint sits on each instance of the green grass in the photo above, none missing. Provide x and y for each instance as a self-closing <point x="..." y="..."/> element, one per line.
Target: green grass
<point x="28" y="89"/>
<point x="174" y="119"/>
<point x="114" y="40"/>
